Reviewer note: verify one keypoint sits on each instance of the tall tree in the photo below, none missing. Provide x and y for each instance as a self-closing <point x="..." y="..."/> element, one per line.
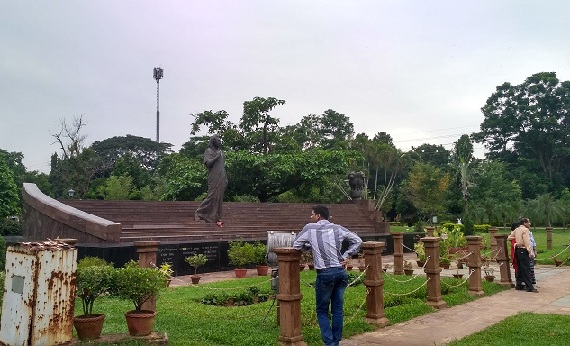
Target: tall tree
<point x="462" y="157"/>
<point x="144" y="150"/>
<point x="433" y="154"/>
<point x="528" y="126"/>
<point x="426" y="188"/>
<point x="9" y="200"/>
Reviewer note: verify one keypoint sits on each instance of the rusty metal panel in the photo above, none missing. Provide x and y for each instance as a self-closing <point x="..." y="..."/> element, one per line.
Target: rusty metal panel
<point x="18" y="303"/>
<point x="55" y="297"/>
<point x="39" y="294"/>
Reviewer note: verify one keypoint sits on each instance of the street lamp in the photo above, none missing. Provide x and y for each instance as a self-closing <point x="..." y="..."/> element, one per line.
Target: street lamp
<point x="157" y="75"/>
<point x="71" y="193"/>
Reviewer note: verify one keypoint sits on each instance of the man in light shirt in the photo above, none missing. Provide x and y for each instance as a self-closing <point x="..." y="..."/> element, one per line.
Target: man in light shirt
<point x="324" y="239"/>
<point x="524" y="252"/>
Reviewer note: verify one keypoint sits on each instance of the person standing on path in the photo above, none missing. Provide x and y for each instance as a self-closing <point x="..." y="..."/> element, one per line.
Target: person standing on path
<point x="532" y="258"/>
<point x="324" y="239"/>
<point x="524" y="252"/>
<point x="210" y="210"/>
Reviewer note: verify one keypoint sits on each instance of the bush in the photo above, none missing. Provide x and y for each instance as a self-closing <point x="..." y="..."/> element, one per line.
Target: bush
<point x="137" y="284"/>
<point x="2" y="254"/>
<point x="484" y="228"/>
<point x="89" y="261"/>
<point x="10" y="227"/>
<point x="241" y="253"/>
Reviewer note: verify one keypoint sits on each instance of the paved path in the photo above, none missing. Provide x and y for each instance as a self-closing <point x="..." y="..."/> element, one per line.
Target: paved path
<point x="443" y="326"/>
<point x="459" y="321"/>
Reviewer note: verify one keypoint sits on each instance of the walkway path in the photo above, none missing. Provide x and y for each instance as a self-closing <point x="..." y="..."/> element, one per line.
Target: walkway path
<point x="459" y="321"/>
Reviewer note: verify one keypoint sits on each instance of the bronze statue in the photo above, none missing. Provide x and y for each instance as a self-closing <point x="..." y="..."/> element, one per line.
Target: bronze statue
<point x="210" y="209"/>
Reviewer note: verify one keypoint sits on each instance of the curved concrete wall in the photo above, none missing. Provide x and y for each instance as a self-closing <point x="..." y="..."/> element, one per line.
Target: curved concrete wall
<point x="45" y="217"/>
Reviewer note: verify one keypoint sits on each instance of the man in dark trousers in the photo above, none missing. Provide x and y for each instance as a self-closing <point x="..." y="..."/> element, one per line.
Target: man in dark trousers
<point x="524" y="252"/>
<point x="325" y="239"/>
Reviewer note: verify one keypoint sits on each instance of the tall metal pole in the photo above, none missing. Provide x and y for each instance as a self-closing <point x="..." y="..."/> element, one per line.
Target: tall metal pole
<point x="157" y="75"/>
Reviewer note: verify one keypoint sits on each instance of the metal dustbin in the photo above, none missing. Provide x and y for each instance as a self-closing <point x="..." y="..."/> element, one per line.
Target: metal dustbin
<point x="39" y="294"/>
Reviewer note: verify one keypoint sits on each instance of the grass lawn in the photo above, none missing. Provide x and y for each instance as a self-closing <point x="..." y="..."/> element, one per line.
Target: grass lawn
<point x="522" y="329"/>
<point x="188" y="322"/>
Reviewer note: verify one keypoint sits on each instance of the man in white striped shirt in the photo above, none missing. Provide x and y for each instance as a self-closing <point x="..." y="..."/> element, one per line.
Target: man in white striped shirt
<point x="325" y="239"/>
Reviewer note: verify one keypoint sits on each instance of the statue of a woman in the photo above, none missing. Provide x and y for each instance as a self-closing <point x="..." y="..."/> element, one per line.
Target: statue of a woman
<point x="211" y="208"/>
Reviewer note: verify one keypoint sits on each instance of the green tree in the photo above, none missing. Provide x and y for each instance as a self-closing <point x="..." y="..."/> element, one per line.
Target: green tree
<point x="426" y="188"/>
<point x="544" y="209"/>
<point x="268" y="176"/>
<point x="145" y="151"/>
<point x="433" y="154"/>
<point x="527" y="126"/>
<point x="185" y="179"/>
<point x="493" y="189"/>
<point x="9" y="199"/>
<point x="117" y="188"/>
<point x="462" y="157"/>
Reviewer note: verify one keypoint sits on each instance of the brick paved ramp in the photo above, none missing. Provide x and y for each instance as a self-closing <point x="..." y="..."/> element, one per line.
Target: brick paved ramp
<point x="442" y="326"/>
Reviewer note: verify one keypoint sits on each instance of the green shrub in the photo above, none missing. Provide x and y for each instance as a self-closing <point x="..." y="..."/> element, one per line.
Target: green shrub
<point x="241" y="253"/>
<point x="10" y="227"/>
<point x="2" y="254"/>
<point x="483" y="228"/>
<point x="90" y="261"/>
<point x="137" y="284"/>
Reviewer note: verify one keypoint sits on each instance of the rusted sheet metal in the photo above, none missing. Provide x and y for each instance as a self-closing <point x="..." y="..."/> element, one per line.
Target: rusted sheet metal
<point x="43" y="312"/>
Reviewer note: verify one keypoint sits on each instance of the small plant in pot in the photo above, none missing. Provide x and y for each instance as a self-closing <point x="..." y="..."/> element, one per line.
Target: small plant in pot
<point x="138" y="285"/>
<point x="261" y="259"/>
<point x="408" y="269"/>
<point x="93" y="280"/>
<point x="166" y="269"/>
<point x="241" y="254"/>
<point x="420" y="250"/>
<point x="196" y="261"/>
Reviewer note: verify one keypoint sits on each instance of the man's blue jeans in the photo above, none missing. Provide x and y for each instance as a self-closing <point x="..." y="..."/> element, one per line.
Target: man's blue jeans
<point x="329" y="290"/>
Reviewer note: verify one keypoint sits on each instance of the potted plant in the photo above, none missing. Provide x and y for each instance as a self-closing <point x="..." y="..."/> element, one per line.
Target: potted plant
<point x="558" y="261"/>
<point x="93" y="280"/>
<point x="444" y="262"/>
<point x="138" y="285"/>
<point x="408" y="269"/>
<point x="196" y="261"/>
<point x="166" y="269"/>
<point x="241" y="254"/>
<point x="361" y="262"/>
<point x="489" y="271"/>
<point x="421" y="252"/>
<point x="261" y="259"/>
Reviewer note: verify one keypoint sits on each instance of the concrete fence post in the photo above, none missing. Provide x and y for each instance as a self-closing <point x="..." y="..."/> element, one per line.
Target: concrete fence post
<point x="147" y="251"/>
<point x="474" y="264"/>
<point x="548" y="238"/>
<point x="374" y="282"/>
<point x="503" y="260"/>
<point x="398" y="253"/>
<point x="289" y="297"/>
<point x="432" y="270"/>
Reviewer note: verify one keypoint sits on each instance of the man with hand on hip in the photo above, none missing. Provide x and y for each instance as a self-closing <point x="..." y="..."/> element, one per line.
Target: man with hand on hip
<point x="324" y="239"/>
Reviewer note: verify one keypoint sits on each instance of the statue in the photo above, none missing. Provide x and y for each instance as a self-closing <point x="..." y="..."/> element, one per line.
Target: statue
<point x="210" y="209"/>
<point x="356" y="183"/>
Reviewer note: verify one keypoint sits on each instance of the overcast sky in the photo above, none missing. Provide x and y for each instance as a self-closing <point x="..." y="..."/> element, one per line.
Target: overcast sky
<point x="418" y="70"/>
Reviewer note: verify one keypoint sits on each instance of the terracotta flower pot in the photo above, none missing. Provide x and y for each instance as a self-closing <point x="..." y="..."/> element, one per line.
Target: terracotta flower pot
<point x="195" y="279"/>
<point x="262" y="270"/>
<point x="458" y="276"/>
<point x="140" y="323"/>
<point x="89" y="327"/>
<point x="409" y="272"/>
<point x="240" y="273"/>
<point x="489" y="278"/>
